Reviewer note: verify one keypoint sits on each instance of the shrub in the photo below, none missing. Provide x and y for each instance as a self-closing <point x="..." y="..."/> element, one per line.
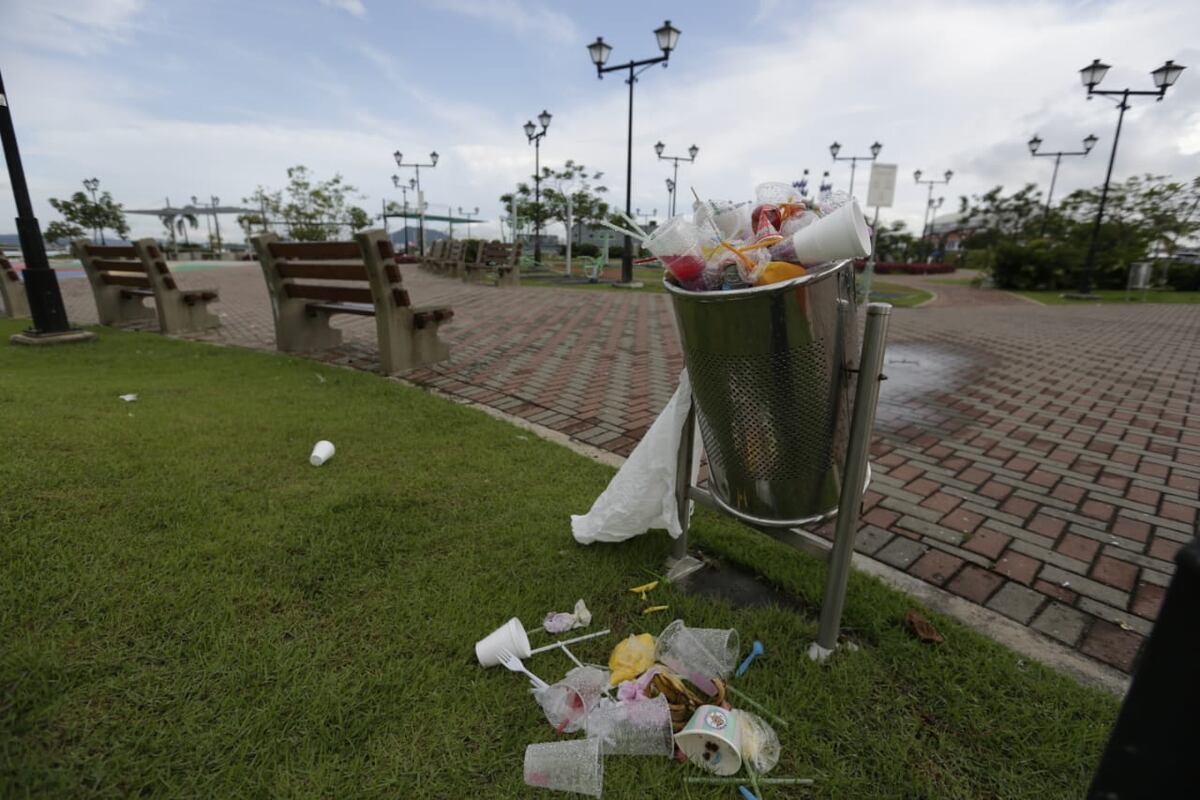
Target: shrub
<point x="1183" y="277"/>
<point x="585" y="250"/>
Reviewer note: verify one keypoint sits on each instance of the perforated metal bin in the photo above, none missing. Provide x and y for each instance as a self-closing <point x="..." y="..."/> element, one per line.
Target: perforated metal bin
<point x="770" y="369"/>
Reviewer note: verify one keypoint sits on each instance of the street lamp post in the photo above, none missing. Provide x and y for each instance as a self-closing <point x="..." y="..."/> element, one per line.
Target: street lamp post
<point x="692" y="151"/>
<point x="667" y="36"/>
<point x="50" y="321"/>
<point x="92" y="184"/>
<point x="412" y="184"/>
<point x="216" y="201"/>
<point x="931" y="217"/>
<point x="207" y="221"/>
<point x="535" y="138"/>
<point x="468" y="215"/>
<point x="1088" y="143"/>
<point x="670" y="194"/>
<point x="649" y="215"/>
<point x="433" y="159"/>
<point x="1091" y="75"/>
<point x="835" y="147"/>
<point x="930" y="182"/>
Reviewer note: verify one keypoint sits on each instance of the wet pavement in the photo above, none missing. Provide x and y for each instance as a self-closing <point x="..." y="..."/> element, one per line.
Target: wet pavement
<point x="1042" y="462"/>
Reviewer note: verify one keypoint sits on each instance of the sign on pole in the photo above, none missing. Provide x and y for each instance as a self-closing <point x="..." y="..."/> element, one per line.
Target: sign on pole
<point x="881" y="190"/>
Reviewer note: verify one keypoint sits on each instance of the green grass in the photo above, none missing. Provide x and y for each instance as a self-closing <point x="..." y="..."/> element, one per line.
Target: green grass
<point x="900" y="295"/>
<point x="188" y="609"/>
<point x="1055" y="298"/>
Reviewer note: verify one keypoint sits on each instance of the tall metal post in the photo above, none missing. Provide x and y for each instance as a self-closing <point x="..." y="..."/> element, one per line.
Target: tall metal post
<point x="41" y="284"/>
<point x="627" y="250"/>
<point x="1050" y="194"/>
<point x="866" y="398"/>
<point x="1085" y="281"/>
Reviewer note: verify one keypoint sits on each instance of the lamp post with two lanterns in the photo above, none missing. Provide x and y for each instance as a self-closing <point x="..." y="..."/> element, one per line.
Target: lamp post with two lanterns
<point x="535" y="138"/>
<point x="835" y="148"/>
<point x="404" y="187"/>
<point x="599" y="50"/>
<point x="930" y="182"/>
<point x="433" y="159"/>
<point x="1088" y="143"/>
<point x="692" y="151"/>
<point x="1091" y="76"/>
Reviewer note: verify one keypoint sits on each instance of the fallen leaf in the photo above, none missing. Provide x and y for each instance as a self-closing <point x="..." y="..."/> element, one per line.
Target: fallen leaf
<point x="922" y="628"/>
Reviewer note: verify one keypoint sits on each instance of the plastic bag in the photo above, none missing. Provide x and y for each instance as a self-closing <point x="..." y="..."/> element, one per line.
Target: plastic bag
<point x="631" y="657"/>
<point x="641" y="496"/>
<point x="759" y="743"/>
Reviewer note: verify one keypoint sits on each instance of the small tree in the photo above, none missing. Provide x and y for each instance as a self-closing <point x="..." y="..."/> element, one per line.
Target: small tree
<point x="81" y="213"/>
<point x="894" y="243"/>
<point x="313" y="210"/>
<point x="60" y="232"/>
<point x="574" y="183"/>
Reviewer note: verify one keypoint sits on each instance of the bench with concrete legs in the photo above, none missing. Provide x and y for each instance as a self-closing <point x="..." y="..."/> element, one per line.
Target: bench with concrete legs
<point x="453" y="259"/>
<point x="311" y="282"/>
<point x="12" y="291"/>
<point x="124" y="276"/>
<point x="501" y="258"/>
<point x="433" y="257"/>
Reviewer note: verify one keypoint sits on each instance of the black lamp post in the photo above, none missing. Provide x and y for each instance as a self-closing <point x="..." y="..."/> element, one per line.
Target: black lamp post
<point x="599" y="50"/>
<point x="92" y="184"/>
<point x="835" y="148"/>
<point x="1088" y="143"/>
<point x="931" y="217"/>
<point x="670" y="194"/>
<point x="692" y="151"/>
<point x="1091" y="75"/>
<point x="433" y="159"/>
<point x="930" y="182"/>
<point x="649" y="215"/>
<point x="468" y="215"/>
<point x="216" y="201"/>
<point x="535" y="138"/>
<point x="403" y="187"/>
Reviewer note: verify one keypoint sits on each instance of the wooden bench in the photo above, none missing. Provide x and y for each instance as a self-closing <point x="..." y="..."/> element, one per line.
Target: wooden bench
<point x="454" y="256"/>
<point x="359" y="277"/>
<point x="499" y="257"/>
<point x="122" y="277"/>
<point x="12" y="291"/>
<point x="431" y="260"/>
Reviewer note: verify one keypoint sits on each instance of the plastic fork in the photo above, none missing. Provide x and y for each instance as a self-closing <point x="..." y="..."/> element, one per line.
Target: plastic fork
<point x="513" y="664"/>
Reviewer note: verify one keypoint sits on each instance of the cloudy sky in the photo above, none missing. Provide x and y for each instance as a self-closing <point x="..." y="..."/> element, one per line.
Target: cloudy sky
<point x="166" y="98"/>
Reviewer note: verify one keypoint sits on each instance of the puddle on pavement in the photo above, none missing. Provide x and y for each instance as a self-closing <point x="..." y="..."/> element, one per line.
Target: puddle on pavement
<point x="921" y="371"/>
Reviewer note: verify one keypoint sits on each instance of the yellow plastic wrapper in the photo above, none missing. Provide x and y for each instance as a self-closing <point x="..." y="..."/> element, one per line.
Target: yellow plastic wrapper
<point x="777" y="271"/>
<point x="631" y="658"/>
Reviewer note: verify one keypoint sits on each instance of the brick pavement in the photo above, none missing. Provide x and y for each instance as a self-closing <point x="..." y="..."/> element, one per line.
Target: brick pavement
<point x="1043" y="462"/>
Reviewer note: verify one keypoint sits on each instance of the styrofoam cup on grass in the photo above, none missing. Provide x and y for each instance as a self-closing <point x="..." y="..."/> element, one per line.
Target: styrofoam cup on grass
<point x="575" y="765"/>
<point x="510" y="636"/>
<point x="841" y="234"/>
<point x="712" y="740"/>
<point x="322" y="452"/>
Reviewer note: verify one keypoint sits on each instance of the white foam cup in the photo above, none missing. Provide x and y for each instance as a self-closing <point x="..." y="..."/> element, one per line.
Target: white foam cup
<point x="510" y="636"/>
<point x="840" y="234"/>
<point x="322" y="452"/>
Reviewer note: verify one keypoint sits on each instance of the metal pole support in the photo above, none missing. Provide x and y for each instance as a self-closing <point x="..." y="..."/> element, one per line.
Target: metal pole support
<point x="866" y="398"/>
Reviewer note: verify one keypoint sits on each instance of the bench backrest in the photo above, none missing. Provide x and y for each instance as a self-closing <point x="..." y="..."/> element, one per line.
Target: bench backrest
<point x="330" y="272"/>
<point x="118" y="265"/>
<point x="454" y="251"/>
<point x="7" y="273"/>
<point x="499" y="253"/>
<point x="436" y="250"/>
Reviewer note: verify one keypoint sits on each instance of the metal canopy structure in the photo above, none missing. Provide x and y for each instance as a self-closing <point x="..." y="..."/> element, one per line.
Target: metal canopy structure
<point x="413" y="213"/>
<point x="173" y="211"/>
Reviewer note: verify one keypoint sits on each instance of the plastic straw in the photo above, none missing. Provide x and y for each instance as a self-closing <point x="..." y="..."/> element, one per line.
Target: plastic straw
<point x="759" y="706"/>
<point x="639" y="236"/>
<point x="764" y="781"/>
<point x="544" y="648"/>
<point x="632" y="222"/>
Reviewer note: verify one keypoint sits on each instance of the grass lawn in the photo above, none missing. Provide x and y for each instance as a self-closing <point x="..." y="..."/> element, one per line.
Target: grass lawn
<point x="189" y="609"/>
<point x="1055" y="298"/>
<point x="898" y="294"/>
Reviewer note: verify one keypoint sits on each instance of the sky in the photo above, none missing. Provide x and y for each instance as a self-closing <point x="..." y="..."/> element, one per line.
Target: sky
<point x="169" y="99"/>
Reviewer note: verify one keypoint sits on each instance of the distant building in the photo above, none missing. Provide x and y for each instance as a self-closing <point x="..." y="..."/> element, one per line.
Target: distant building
<point x="598" y="234"/>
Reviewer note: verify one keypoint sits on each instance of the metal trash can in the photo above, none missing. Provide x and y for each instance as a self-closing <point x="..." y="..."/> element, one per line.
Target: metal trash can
<point x="770" y="369"/>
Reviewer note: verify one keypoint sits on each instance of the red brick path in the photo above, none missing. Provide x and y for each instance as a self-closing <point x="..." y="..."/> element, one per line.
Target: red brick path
<point x="1043" y="462"/>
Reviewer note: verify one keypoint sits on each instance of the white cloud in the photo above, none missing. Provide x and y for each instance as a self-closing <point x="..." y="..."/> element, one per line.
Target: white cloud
<point x="78" y="27"/>
<point x="354" y="8"/>
<point x="515" y="16"/>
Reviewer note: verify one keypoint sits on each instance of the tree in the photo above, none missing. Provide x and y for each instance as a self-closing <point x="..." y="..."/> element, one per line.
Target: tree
<point x="59" y="232"/>
<point x="81" y="213"/>
<point x="894" y="243"/>
<point x="313" y="211"/>
<point x="992" y="218"/>
<point x="573" y="181"/>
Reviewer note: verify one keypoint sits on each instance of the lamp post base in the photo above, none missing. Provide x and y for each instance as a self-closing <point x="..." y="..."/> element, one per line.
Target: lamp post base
<point x="628" y="285"/>
<point x="36" y="339"/>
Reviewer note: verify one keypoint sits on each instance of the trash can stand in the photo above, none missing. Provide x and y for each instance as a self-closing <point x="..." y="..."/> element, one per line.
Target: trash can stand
<point x="855" y="474"/>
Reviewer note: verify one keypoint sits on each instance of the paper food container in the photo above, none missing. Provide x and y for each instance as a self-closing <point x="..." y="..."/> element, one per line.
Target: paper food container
<point x="710" y="740"/>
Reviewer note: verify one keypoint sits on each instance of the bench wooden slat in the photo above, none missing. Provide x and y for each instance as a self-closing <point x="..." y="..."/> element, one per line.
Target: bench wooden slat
<point x="107" y="265"/>
<point x="112" y="251"/>
<point x="328" y="270"/>
<point x="335" y="294"/>
<point x="126" y="280"/>
<point x="361" y="309"/>
<point x="141" y="292"/>
<point x="317" y="251"/>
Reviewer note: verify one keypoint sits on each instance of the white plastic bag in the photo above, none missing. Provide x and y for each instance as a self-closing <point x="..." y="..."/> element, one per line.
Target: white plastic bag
<point x="641" y="496"/>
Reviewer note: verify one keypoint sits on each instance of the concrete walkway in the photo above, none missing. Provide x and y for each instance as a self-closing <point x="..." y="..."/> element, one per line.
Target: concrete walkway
<point x="1042" y="462"/>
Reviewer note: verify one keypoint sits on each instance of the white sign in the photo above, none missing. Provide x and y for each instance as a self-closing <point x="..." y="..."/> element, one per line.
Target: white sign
<point x="881" y="190"/>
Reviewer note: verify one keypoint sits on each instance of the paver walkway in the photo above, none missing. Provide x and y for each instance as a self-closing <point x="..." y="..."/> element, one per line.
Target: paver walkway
<point x="1041" y="461"/>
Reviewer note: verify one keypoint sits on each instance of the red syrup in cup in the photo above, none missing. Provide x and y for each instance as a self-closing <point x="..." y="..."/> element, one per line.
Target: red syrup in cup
<point x="686" y="269"/>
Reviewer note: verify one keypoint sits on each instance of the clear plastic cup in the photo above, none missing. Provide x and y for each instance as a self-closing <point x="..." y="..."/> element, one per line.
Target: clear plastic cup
<point x="568" y="702"/>
<point x="575" y="765"/>
<point x="699" y="654"/>
<point x="775" y="193"/>
<point x="677" y="244"/>
<point x="633" y="727"/>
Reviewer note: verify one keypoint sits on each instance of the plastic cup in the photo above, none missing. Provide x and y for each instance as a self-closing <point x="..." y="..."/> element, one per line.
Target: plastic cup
<point x="699" y="654"/>
<point x="841" y="234"/>
<point x="775" y="193"/>
<point x="322" y="452"/>
<point x="571" y="766"/>
<point x="568" y="702"/>
<point x="633" y="727"/>
<point x="510" y="636"/>
<point x="677" y="245"/>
